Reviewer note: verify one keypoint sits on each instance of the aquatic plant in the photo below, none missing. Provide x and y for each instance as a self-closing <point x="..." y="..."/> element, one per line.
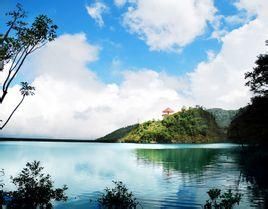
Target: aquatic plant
<point x="225" y="201"/>
<point x="118" y="197"/>
<point x="34" y="189"/>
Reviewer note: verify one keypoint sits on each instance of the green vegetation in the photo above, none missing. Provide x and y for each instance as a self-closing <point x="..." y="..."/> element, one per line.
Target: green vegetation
<point x="118" y="198"/>
<point x="19" y="40"/>
<point x="185" y="161"/>
<point x="250" y="127"/>
<point x="34" y="189"/>
<point x="251" y="124"/>
<point x="117" y="134"/>
<point x="225" y="201"/>
<point x="192" y="125"/>
<point x="258" y="78"/>
<point x="223" y="117"/>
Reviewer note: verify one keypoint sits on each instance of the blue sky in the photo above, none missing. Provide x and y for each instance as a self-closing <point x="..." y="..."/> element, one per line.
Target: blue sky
<point x="120" y="62"/>
<point x="118" y="44"/>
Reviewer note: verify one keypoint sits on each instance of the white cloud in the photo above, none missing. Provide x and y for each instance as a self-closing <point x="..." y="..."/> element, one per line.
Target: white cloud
<point x="170" y="24"/>
<point x="257" y="7"/>
<point x="96" y="10"/>
<point x="120" y="3"/>
<point x="70" y="101"/>
<point x="219" y="82"/>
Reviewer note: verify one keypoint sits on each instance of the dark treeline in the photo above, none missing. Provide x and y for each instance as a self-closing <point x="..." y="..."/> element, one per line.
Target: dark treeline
<point x="250" y="127"/>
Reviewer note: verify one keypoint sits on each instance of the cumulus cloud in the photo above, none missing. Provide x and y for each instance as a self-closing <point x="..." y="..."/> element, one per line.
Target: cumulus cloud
<point x="170" y="24"/>
<point x="96" y="10"/>
<point x="220" y="81"/>
<point x="71" y="101"/>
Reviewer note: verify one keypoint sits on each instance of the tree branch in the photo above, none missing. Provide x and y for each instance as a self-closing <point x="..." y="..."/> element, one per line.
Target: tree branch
<point x="8" y="81"/>
<point x="12" y="113"/>
<point x="9" y="29"/>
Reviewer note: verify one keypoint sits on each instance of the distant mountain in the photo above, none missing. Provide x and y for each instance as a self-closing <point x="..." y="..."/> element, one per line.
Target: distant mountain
<point x="192" y="125"/>
<point x="223" y="117"/>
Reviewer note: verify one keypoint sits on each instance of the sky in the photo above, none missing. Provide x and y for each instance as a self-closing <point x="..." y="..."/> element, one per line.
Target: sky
<point x="119" y="62"/>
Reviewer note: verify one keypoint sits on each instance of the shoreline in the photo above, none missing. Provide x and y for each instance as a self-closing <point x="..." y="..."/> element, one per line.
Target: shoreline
<point x="93" y="141"/>
<point x="45" y="140"/>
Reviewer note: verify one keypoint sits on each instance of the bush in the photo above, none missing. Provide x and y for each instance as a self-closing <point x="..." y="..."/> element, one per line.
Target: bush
<point x="118" y="198"/>
<point x="34" y="189"/>
<point x="225" y="201"/>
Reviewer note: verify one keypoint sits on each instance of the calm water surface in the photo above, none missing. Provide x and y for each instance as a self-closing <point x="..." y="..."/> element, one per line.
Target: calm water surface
<point x="160" y="176"/>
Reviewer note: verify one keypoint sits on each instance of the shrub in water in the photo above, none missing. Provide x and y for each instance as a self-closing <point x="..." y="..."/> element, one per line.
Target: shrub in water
<point x="225" y="201"/>
<point x="118" y="198"/>
<point x="34" y="189"/>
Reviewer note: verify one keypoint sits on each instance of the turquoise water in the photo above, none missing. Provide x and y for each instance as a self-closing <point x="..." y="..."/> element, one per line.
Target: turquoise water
<point x="160" y="176"/>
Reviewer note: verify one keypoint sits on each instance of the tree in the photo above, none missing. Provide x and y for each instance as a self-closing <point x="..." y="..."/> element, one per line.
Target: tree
<point x="26" y="90"/>
<point x="118" y="198"/>
<point x="258" y="78"/>
<point x="19" y="41"/>
<point x="35" y="188"/>
<point x="225" y="201"/>
<point x="250" y="124"/>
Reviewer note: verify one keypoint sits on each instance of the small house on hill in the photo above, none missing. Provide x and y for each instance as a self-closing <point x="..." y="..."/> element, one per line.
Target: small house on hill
<point x="167" y="111"/>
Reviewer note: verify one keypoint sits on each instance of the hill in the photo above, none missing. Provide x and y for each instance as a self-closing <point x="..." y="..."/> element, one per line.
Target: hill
<point x="192" y="125"/>
<point x="251" y="123"/>
<point x="117" y="134"/>
<point x="223" y="117"/>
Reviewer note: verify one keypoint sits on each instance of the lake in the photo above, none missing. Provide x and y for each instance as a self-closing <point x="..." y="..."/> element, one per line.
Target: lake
<point x="160" y="176"/>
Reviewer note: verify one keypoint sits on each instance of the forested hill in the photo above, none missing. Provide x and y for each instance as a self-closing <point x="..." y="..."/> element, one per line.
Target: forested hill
<point x="117" y="134"/>
<point x="192" y="125"/>
<point x="223" y="117"/>
<point x="251" y="123"/>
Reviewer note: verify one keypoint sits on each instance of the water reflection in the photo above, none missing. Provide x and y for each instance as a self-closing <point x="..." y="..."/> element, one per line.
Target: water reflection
<point x="161" y="176"/>
<point x="186" y="161"/>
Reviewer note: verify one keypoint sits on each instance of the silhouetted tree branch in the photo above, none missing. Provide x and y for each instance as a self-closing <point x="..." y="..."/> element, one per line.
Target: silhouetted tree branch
<point x="258" y="78"/>
<point x="26" y="90"/>
<point x="18" y="42"/>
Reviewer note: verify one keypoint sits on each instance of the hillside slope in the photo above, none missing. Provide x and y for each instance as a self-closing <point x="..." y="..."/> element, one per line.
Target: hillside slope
<point x="193" y="125"/>
<point x="251" y="123"/>
<point x="223" y="117"/>
<point x="117" y="134"/>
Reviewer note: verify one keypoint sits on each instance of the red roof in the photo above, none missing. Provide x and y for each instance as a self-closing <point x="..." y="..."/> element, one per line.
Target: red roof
<point x="168" y="110"/>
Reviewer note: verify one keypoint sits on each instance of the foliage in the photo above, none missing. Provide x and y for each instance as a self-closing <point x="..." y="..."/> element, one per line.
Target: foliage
<point x="223" y="117"/>
<point x="250" y="127"/>
<point x="117" y="134"/>
<point x="258" y="78"/>
<point x="34" y="188"/>
<point x="17" y="42"/>
<point x="25" y="90"/>
<point x="250" y="124"/>
<point x="118" y="198"/>
<point x="192" y="125"/>
<point x="225" y="201"/>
